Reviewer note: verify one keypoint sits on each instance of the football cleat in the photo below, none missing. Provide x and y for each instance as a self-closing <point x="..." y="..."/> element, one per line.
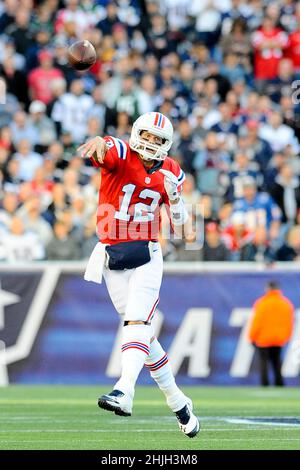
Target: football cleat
<point x="188" y="423"/>
<point x="117" y="402"/>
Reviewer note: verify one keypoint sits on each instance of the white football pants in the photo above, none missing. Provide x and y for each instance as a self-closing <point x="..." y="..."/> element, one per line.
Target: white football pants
<point x="135" y="292"/>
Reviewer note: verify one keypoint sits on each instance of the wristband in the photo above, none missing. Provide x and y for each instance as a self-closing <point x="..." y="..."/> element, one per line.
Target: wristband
<point x="179" y="214"/>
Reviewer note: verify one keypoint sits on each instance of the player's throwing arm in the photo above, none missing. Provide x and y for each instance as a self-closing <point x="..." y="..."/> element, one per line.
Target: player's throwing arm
<point x="96" y="148"/>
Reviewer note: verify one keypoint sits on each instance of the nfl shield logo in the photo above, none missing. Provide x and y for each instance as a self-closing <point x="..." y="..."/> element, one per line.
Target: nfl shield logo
<point x="147" y="180"/>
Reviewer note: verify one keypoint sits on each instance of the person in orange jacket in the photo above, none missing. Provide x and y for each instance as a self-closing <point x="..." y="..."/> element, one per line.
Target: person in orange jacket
<point x="270" y="329"/>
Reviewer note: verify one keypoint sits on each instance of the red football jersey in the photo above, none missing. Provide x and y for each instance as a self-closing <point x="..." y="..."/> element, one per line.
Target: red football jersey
<point x="293" y="51"/>
<point x="130" y="197"/>
<point x="266" y="60"/>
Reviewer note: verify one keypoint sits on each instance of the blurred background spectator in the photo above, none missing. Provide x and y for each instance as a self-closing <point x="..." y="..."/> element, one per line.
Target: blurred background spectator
<point x="223" y="72"/>
<point x="270" y="328"/>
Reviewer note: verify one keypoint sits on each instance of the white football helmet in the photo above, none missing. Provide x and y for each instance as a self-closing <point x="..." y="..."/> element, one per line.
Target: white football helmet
<point x="157" y="124"/>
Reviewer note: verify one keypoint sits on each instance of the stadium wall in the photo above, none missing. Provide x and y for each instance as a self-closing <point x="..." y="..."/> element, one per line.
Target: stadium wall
<point x="57" y="328"/>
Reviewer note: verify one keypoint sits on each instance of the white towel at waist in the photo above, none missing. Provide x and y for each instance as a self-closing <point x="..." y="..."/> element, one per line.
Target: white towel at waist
<point x="94" y="269"/>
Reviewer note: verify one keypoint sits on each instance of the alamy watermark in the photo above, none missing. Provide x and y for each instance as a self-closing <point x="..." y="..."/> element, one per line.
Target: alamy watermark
<point x="296" y="93"/>
<point x="152" y="224"/>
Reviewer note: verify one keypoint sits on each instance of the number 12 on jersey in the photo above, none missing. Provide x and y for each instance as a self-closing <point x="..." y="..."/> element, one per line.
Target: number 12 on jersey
<point x="142" y="212"/>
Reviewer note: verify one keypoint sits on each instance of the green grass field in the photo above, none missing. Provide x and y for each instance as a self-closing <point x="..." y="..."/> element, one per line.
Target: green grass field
<point x="56" y="417"/>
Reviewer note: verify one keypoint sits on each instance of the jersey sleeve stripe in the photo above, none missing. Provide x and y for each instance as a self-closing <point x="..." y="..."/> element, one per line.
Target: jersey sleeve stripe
<point x="121" y="148"/>
<point x="181" y="177"/>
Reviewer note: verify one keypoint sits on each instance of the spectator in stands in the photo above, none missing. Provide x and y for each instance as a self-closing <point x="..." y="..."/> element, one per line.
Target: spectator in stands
<point x="277" y="134"/>
<point x="197" y="122"/>
<point x="226" y="125"/>
<point x="19" y="30"/>
<point x="236" y="236"/>
<point x="293" y="48"/>
<point x="93" y="127"/>
<point x="121" y="41"/>
<point x="261" y="148"/>
<point x="290" y="113"/>
<point x="28" y="159"/>
<point x="240" y="169"/>
<point x="186" y="147"/>
<point x="30" y="214"/>
<point x="12" y="180"/>
<point x="290" y="250"/>
<point x="209" y="163"/>
<point x="147" y="93"/>
<point x="232" y="69"/>
<point x="40" y="78"/>
<point x="292" y="158"/>
<point x="8" y="209"/>
<point x="111" y="19"/>
<point x="41" y="186"/>
<point x="62" y="245"/>
<point x="281" y="84"/>
<point x="208" y="21"/>
<point x="190" y="193"/>
<point x="72" y="13"/>
<point x="15" y="79"/>
<point x="79" y="212"/>
<point x="4" y="154"/>
<point x="286" y="193"/>
<point x="270" y="328"/>
<point x="20" y="245"/>
<point x="58" y="88"/>
<point x="8" y="13"/>
<point x="59" y="203"/>
<point x="21" y="128"/>
<point x="259" y="209"/>
<point x="269" y="42"/>
<point x="71" y="111"/>
<point x="43" y="125"/>
<point x="213" y="248"/>
<point x="100" y="110"/>
<point x="70" y="181"/>
<point x="238" y="42"/>
<point x="42" y="38"/>
<point x="258" y="249"/>
<point x="11" y="107"/>
<point x="6" y="138"/>
<point x="159" y="36"/>
<point x="128" y="99"/>
<point x="273" y="168"/>
<point x="122" y="127"/>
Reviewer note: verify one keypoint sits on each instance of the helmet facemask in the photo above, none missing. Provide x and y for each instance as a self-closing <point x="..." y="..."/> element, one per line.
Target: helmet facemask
<point x="148" y="150"/>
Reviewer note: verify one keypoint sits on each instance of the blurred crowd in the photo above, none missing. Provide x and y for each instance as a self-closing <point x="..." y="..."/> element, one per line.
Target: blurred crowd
<point x="224" y="71"/>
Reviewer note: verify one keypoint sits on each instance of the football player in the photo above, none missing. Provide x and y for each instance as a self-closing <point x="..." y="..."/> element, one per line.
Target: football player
<point x="138" y="177"/>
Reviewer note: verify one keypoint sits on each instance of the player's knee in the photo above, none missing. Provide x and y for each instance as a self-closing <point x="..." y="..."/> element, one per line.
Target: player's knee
<point x="135" y="322"/>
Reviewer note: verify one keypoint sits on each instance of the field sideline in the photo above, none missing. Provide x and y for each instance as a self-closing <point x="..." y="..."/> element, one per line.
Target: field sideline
<point x="57" y="417"/>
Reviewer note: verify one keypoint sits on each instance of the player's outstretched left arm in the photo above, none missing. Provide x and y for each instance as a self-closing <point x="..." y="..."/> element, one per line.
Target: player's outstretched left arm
<point x="181" y="220"/>
<point x="95" y="148"/>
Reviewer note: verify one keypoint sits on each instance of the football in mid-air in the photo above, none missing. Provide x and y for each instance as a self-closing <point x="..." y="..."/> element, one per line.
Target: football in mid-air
<point x="82" y="55"/>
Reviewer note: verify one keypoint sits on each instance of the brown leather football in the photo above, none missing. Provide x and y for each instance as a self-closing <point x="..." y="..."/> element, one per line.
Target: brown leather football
<point x="82" y="55"/>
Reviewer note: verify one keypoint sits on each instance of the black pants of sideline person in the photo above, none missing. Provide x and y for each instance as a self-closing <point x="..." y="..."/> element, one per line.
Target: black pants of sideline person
<point x="270" y="356"/>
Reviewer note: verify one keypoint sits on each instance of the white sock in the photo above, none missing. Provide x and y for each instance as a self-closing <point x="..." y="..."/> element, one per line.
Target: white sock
<point x="158" y="365"/>
<point x="135" y="349"/>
